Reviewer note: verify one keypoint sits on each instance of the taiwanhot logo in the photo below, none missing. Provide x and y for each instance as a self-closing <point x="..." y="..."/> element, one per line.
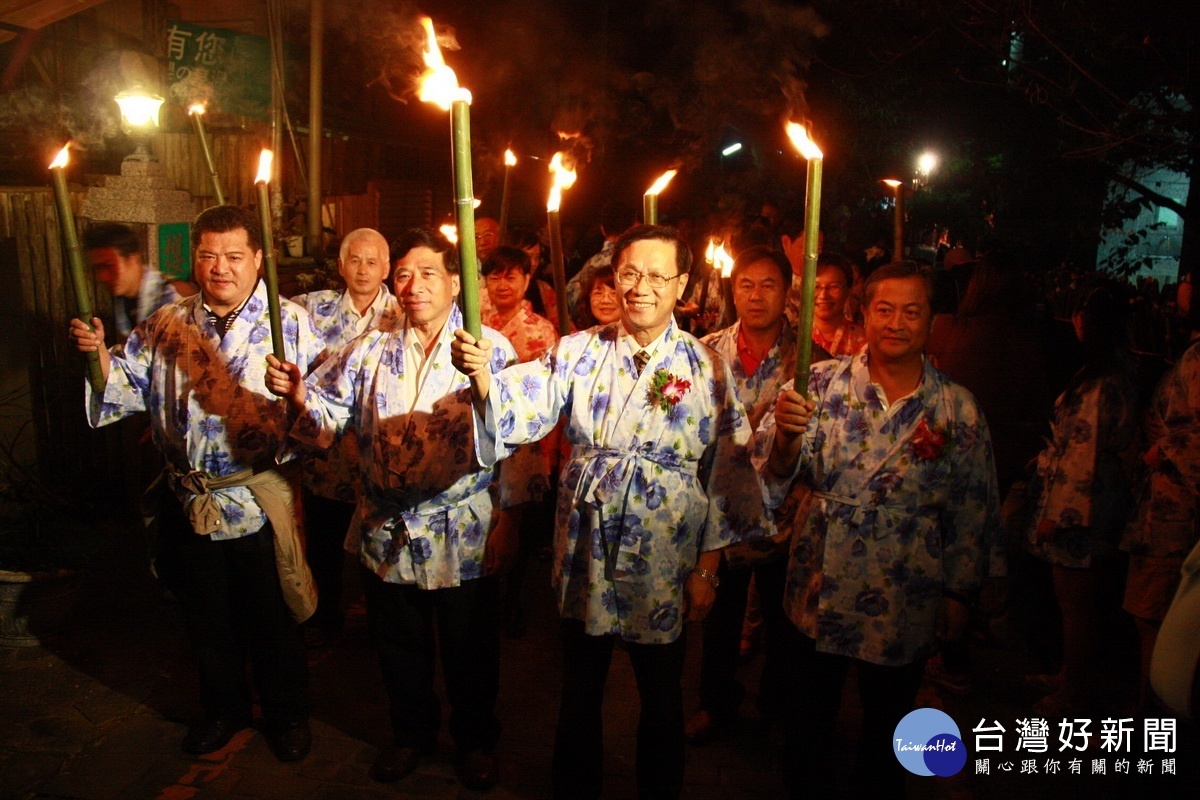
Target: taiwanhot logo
<point x="927" y="742"/>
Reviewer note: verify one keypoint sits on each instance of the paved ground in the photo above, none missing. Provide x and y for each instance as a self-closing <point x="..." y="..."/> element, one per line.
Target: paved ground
<point x="98" y="713"/>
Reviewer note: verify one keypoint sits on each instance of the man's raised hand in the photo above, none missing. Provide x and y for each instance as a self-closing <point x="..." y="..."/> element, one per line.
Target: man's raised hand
<point x="284" y="379"/>
<point x="472" y="357"/>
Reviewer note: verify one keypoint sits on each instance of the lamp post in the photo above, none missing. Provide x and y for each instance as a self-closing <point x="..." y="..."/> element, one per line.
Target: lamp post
<point x="139" y="118"/>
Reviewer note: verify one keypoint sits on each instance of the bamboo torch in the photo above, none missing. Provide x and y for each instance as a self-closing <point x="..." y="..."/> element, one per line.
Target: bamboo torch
<point x="439" y="85"/>
<point x="510" y="161"/>
<point x="196" y="112"/>
<point x="261" y="183"/>
<point x="650" y="199"/>
<point x="563" y="179"/>
<point x="898" y="220"/>
<point x="79" y="276"/>
<point x="812" y="220"/>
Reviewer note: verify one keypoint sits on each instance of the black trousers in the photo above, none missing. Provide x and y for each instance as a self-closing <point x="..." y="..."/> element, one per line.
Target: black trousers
<point x="814" y="696"/>
<point x="326" y="523"/>
<point x="402" y="619"/>
<point x="232" y="606"/>
<point x="579" y="741"/>
<point x="720" y="692"/>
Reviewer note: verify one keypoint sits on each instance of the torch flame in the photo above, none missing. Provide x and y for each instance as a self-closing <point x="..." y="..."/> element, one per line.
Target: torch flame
<point x="799" y="136"/>
<point x="439" y="84"/>
<point x="60" y="160"/>
<point x="563" y="179"/>
<point x="662" y="182"/>
<point x="510" y="158"/>
<point x="196" y="108"/>
<point x="450" y="232"/>
<point x="723" y="261"/>
<point x="264" y="166"/>
<point x="711" y="251"/>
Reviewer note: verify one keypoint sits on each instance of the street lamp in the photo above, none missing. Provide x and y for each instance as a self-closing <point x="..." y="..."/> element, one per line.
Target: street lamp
<point x="926" y="164"/>
<point x="139" y="118"/>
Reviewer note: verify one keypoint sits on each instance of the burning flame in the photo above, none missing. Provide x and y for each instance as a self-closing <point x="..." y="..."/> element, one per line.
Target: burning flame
<point x="439" y="84"/>
<point x="711" y="251"/>
<point x="563" y="179"/>
<point x="723" y="261"/>
<point x="799" y="136"/>
<point x="510" y="158"/>
<point x="60" y="160"/>
<point x="450" y="232"/>
<point x="565" y="136"/>
<point x="196" y="108"/>
<point x="662" y="182"/>
<point x="264" y="166"/>
<point x="892" y="182"/>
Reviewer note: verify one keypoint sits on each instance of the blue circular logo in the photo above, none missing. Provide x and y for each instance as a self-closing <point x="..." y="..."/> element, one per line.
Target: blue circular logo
<point x="927" y="742"/>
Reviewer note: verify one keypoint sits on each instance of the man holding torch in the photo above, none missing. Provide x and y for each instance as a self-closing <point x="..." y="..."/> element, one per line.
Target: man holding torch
<point x="654" y="488"/>
<point x="429" y="531"/>
<point x="228" y="545"/>
<point x="899" y="536"/>
<point x="331" y="478"/>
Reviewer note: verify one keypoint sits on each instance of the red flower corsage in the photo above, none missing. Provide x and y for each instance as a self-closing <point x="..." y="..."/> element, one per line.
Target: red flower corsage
<point x="666" y="390"/>
<point x="928" y="443"/>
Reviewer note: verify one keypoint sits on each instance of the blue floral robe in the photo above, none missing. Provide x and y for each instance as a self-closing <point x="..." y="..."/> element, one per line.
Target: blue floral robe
<point x="1082" y="482"/>
<point x="646" y="490"/>
<point x="892" y="524"/>
<point x="757" y="393"/>
<point x="427" y="504"/>
<point x="209" y="406"/>
<point x="334" y="473"/>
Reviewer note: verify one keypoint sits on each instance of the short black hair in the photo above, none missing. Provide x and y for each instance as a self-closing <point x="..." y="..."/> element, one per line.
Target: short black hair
<point x="661" y="233"/>
<point x="753" y="255"/>
<point x="899" y="269"/>
<point x="222" y="219"/>
<point x="427" y="237"/>
<point x="112" y="234"/>
<point x="838" y="262"/>
<point x="504" y="257"/>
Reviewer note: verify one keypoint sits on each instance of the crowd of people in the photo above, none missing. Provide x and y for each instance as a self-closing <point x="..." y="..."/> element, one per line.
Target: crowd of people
<point x="671" y="459"/>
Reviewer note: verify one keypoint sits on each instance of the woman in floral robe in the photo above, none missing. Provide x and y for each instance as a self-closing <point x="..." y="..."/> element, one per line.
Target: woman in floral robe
<point x="1081" y="486"/>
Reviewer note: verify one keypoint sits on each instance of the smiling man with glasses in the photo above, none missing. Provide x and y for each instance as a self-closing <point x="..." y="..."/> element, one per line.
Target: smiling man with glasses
<point x="654" y="488"/>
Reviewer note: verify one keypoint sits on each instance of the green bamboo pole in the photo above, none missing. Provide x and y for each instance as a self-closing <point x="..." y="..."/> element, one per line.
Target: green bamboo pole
<point x="77" y="268"/>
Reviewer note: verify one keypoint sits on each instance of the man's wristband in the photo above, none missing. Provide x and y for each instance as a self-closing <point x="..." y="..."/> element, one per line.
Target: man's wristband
<point x="711" y="577"/>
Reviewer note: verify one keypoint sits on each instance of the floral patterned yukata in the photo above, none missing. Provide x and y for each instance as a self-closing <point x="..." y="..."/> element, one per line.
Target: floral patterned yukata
<point x="906" y="505"/>
<point x="757" y="393"/>
<point x="658" y="469"/>
<point x="207" y="397"/>
<point x="427" y="505"/>
<point x="1166" y="525"/>
<point x="334" y="473"/>
<point x="1082" y="484"/>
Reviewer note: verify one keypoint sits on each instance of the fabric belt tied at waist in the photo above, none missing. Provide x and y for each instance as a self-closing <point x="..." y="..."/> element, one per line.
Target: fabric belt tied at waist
<point x="610" y="474"/>
<point x="874" y="520"/>
<point x="275" y="494"/>
<point x="403" y="523"/>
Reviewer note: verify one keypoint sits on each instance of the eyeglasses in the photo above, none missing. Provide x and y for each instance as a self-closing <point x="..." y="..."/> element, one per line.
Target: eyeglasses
<point x="631" y="277"/>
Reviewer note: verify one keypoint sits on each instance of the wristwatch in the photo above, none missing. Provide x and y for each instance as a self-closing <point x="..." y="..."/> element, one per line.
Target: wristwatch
<point x="711" y="577"/>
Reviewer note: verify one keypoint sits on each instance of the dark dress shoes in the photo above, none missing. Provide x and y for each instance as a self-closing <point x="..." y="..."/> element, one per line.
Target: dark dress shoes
<point x="291" y="741"/>
<point x="211" y="734"/>
<point x="394" y="763"/>
<point x="477" y="770"/>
